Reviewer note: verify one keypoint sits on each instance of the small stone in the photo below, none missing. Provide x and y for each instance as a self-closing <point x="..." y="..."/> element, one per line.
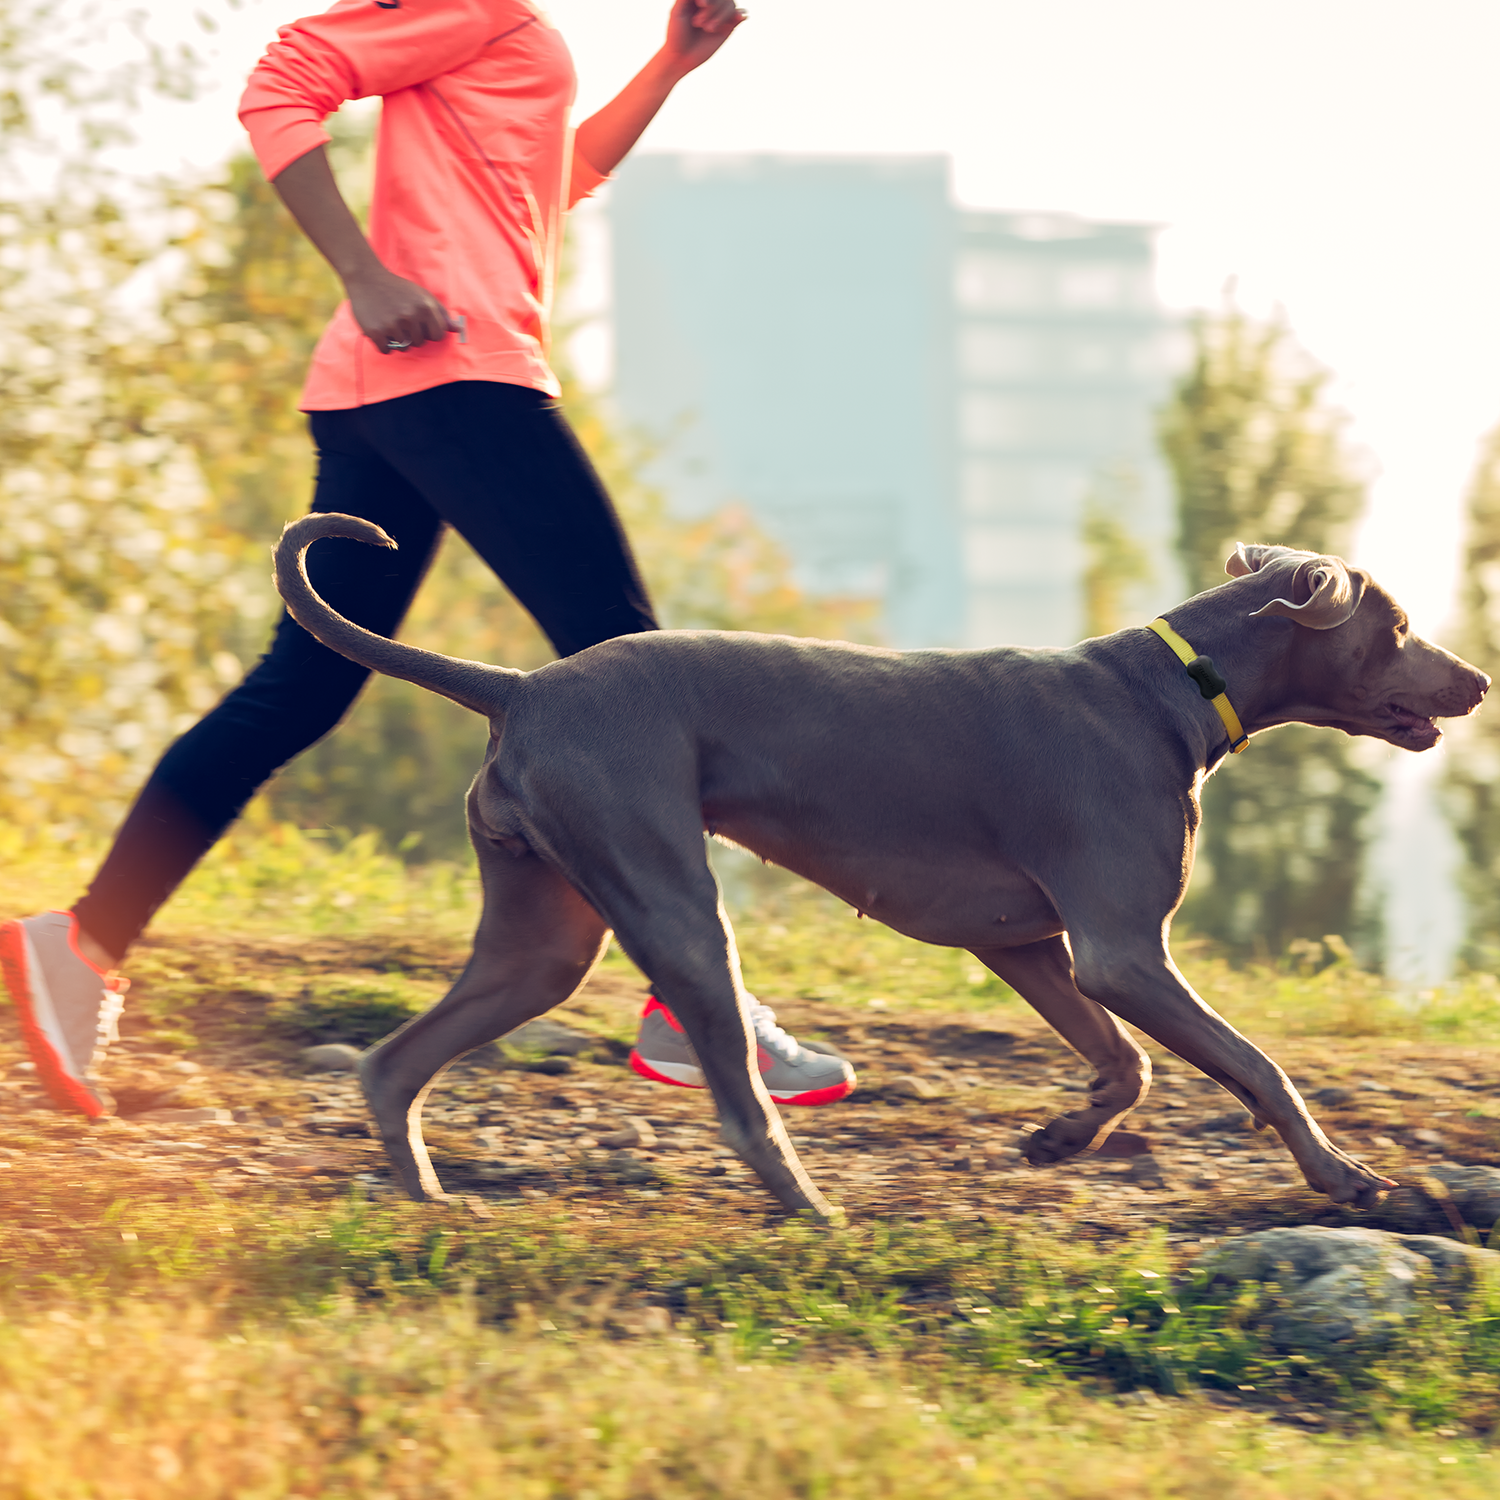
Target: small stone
<point x="909" y="1086"/>
<point x="635" y="1132"/>
<point x="996" y="1152"/>
<point x="554" y="1067"/>
<point x="185" y="1117"/>
<point x="560" y="1101"/>
<point x="1146" y="1171"/>
<point x="288" y="1161"/>
<point x="1428" y="1138"/>
<point x="1370" y="1086"/>
<point x="174" y="1148"/>
<point x="349" y="1125"/>
<point x="1384" y="1142"/>
<point x="331" y="1057"/>
<point x="1331" y="1098"/>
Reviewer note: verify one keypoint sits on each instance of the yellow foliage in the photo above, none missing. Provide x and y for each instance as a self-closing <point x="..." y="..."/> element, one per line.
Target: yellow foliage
<point x="149" y="463"/>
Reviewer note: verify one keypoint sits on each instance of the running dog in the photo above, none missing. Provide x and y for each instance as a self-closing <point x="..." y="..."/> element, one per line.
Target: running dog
<point x="1036" y="807"/>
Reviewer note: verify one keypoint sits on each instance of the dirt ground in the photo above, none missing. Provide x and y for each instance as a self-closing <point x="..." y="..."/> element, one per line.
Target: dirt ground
<point x="501" y="1130"/>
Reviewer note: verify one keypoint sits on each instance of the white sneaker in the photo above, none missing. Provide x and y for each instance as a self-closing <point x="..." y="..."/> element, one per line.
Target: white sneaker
<point x="792" y="1073"/>
<point x="69" y="1010"/>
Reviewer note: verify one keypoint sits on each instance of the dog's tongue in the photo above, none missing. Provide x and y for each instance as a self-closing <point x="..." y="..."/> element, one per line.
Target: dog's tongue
<point x="1407" y="719"/>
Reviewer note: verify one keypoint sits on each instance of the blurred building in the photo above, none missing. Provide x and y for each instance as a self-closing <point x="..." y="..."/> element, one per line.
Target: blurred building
<point x="918" y="400"/>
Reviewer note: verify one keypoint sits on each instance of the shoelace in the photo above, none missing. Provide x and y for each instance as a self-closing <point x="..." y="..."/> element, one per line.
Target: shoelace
<point x="770" y="1035"/>
<point x="109" y="1017"/>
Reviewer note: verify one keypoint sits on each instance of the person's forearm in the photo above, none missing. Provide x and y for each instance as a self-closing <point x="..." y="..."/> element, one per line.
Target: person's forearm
<point x="605" y="138"/>
<point x="312" y="196"/>
<point x="394" y="313"/>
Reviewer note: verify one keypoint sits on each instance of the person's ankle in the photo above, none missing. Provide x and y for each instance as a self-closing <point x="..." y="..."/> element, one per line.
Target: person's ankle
<point x="96" y="953"/>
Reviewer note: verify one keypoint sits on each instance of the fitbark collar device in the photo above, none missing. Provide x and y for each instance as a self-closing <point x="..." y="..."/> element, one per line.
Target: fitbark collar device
<point x="1210" y="682"/>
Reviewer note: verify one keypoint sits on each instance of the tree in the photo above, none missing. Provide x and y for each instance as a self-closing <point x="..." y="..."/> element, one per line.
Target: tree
<point x="1258" y="453"/>
<point x="1116" y="565"/>
<point x="1473" y="772"/>
<point x="118" y="586"/>
<point x="148" y="458"/>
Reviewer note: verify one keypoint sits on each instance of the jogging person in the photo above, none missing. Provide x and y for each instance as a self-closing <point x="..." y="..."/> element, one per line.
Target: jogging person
<point x="431" y="404"/>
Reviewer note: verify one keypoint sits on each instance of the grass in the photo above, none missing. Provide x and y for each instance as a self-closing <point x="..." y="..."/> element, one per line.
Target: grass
<point x="291" y="1341"/>
<point x="282" y="1347"/>
<point x="964" y="1300"/>
<point x="437" y="1403"/>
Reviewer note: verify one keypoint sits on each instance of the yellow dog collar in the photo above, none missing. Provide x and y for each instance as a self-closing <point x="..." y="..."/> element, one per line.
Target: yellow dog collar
<point x="1213" y="687"/>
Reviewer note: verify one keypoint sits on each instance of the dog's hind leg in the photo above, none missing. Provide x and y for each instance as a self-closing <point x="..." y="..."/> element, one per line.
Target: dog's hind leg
<point x="537" y="942"/>
<point x="654" y="883"/>
<point x="1042" y="974"/>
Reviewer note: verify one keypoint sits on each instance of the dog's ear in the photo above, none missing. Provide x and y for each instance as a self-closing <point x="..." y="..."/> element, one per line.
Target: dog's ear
<point x="1251" y="557"/>
<point x="1324" y="594"/>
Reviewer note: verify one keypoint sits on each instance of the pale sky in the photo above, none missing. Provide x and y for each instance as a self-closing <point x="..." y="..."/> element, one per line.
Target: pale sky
<point x="1337" y="156"/>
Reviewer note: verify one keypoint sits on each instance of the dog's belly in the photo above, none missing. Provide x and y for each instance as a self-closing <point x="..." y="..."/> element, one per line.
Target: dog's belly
<point x="953" y="903"/>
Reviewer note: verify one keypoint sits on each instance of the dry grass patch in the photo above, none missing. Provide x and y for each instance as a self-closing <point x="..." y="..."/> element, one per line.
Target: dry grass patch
<point x="152" y="1404"/>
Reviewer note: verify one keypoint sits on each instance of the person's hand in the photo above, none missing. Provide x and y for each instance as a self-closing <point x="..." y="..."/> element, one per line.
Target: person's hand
<point x="396" y="314"/>
<point x="697" y="29"/>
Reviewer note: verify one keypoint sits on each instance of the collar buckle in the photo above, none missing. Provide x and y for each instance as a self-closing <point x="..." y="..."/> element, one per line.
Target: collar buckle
<point x="1210" y="681"/>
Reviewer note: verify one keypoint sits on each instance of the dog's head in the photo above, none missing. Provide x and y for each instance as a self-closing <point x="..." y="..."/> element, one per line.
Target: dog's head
<point x="1355" y="663"/>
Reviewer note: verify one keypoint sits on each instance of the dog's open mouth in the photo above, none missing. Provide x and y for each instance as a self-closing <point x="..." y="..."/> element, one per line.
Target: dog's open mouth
<point x="1418" y="726"/>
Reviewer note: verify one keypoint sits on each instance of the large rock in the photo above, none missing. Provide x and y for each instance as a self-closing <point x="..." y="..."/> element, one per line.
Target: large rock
<point x="1473" y="1193"/>
<point x="331" y="1057"/>
<point x="551" y="1038"/>
<point x="1341" y="1289"/>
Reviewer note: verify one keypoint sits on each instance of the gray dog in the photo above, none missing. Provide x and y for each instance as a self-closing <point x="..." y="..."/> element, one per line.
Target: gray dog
<point x="1037" y="807"/>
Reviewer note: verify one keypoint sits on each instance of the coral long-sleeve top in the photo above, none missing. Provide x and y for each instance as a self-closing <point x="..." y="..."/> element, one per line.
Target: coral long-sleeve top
<point x="473" y="171"/>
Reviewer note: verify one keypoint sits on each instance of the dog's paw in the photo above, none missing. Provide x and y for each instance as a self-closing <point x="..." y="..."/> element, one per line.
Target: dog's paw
<point x="1060" y="1140"/>
<point x="1346" y="1180"/>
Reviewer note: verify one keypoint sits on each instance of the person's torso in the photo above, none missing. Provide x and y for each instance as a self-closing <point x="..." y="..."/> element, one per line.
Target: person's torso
<point x="471" y="171"/>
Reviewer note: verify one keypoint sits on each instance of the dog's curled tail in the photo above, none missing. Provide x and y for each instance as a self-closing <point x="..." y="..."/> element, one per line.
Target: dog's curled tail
<point x="475" y="684"/>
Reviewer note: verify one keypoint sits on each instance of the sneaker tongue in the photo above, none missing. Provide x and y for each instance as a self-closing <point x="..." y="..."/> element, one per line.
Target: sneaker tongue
<point x="770" y="1035"/>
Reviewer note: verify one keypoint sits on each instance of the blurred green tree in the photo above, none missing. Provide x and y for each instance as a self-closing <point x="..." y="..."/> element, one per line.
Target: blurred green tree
<point x="1259" y="454"/>
<point x="151" y="449"/>
<point x="246" y="315"/>
<point x="1116" y="565"/>
<point x="118" y="586"/>
<point x="1472" y="780"/>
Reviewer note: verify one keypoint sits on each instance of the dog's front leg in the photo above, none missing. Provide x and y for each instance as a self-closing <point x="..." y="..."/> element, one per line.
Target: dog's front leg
<point x="1042" y="974"/>
<point x="749" y="1123"/>
<point x="1144" y="988"/>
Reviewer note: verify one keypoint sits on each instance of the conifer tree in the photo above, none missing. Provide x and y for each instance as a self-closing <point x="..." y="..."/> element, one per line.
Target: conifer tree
<point x="1258" y="454"/>
<point x="1473" y="772"/>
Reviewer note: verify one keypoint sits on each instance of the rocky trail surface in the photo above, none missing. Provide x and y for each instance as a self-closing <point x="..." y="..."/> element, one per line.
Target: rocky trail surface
<point x="213" y="1082"/>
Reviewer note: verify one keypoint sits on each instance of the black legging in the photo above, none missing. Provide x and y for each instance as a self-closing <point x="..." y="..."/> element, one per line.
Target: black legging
<point x="498" y="463"/>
